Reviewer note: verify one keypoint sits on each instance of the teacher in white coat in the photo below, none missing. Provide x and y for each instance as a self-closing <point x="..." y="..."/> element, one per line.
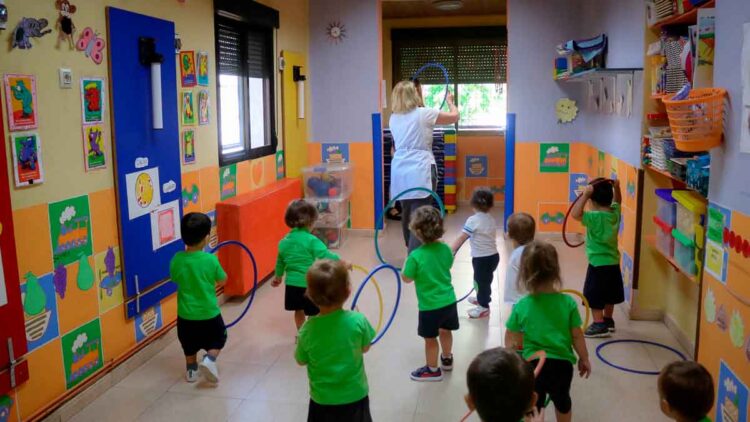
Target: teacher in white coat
<point x="413" y="165"/>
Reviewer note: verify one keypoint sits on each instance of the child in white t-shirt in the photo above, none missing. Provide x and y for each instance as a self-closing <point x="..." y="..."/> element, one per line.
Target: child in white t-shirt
<point x="481" y="231"/>
<point x="521" y="231"/>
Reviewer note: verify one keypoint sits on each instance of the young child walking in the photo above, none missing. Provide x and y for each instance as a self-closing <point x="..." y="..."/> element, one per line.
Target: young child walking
<point x="603" y="287"/>
<point x="481" y="231"/>
<point x="548" y="320"/>
<point x="331" y="345"/>
<point x="521" y="231"/>
<point x="686" y="391"/>
<point x="199" y="322"/>
<point x="297" y="252"/>
<point x="429" y="267"/>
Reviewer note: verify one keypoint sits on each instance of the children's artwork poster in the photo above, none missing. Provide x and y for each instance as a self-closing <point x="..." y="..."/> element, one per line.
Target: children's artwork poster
<point x="82" y="352"/>
<point x="717" y="253"/>
<point x="143" y="191"/>
<point x="627" y="274"/>
<point x="39" y="310"/>
<point x="203" y="114"/>
<point x="92" y="100"/>
<point x="149" y="322"/>
<point x="554" y="158"/>
<point x="187" y="68"/>
<point x="202" y="68"/>
<point x="745" y="135"/>
<point x="93" y="147"/>
<point x="213" y="236"/>
<point x="335" y="153"/>
<point x="551" y="216"/>
<point x="704" y="67"/>
<point x="108" y="275"/>
<point x="70" y="229"/>
<point x="191" y="196"/>
<point x="188" y="108"/>
<point x="188" y="146"/>
<point x="731" y="400"/>
<point x="228" y="181"/>
<point x="165" y="224"/>
<point x="20" y="102"/>
<point x="280" y="171"/>
<point x="476" y="166"/>
<point x="28" y="168"/>
<point x="578" y="183"/>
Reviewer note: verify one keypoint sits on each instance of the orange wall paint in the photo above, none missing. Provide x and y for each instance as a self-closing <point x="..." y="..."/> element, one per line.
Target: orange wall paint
<point x="493" y="147"/>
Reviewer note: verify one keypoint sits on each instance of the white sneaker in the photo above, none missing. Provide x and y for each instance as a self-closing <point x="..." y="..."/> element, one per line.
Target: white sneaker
<point x="209" y="370"/>
<point x="479" y="312"/>
<point x="473" y="300"/>
<point x="191" y="375"/>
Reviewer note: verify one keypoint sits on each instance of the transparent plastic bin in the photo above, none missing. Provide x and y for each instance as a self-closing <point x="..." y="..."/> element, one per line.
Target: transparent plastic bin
<point x="667" y="211"/>
<point x="328" y="180"/>
<point x="684" y="252"/>
<point x="333" y="237"/>
<point x="664" y="239"/>
<point x="691" y="210"/>
<point x="331" y="212"/>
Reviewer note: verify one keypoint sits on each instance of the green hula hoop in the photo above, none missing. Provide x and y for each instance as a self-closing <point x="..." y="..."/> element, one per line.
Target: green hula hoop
<point x="390" y="205"/>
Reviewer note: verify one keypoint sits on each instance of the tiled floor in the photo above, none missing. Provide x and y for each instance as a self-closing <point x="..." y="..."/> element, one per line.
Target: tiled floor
<point x="261" y="382"/>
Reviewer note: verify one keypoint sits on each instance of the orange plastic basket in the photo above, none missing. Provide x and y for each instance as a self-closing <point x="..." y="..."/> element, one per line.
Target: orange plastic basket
<point x="698" y="122"/>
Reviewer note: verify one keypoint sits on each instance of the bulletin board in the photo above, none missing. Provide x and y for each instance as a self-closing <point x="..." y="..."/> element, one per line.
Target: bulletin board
<point x="147" y="160"/>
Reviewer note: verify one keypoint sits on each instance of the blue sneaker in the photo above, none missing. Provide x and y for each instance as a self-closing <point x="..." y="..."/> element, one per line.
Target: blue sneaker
<point x="597" y="330"/>
<point x="610" y="324"/>
<point x="425" y="374"/>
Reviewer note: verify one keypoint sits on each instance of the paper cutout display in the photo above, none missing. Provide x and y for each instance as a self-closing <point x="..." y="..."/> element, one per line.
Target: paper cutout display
<point x="85" y="278"/>
<point x="577" y="184"/>
<point x="717" y="253"/>
<point x="70" y="228"/>
<point x="26" y="29"/>
<point x="551" y="216"/>
<point x="335" y="153"/>
<point x="203" y="113"/>
<point x="148" y="322"/>
<point x="554" y="158"/>
<point x="39" y="310"/>
<point x="65" y="24"/>
<point x="108" y="273"/>
<point x="721" y="318"/>
<point x="188" y="108"/>
<point x="191" y="198"/>
<point x="20" y="102"/>
<point x="731" y="400"/>
<point x="566" y="110"/>
<point x="202" y="68"/>
<point x="476" y="166"/>
<point x="28" y="168"/>
<point x="60" y="278"/>
<point x="143" y="191"/>
<point x="93" y="147"/>
<point x="3" y="291"/>
<point x="92" y="45"/>
<point x="187" y="68"/>
<point x="737" y="329"/>
<point x="709" y="306"/>
<point x="188" y="146"/>
<point x="165" y="224"/>
<point x="280" y="171"/>
<point x="228" y="181"/>
<point x="82" y="353"/>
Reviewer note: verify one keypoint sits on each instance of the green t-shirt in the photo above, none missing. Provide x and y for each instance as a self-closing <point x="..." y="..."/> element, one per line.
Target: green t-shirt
<point x="602" y="228"/>
<point x="196" y="274"/>
<point x="430" y="267"/>
<point x="298" y="250"/>
<point x="331" y="347"/>
<point x="546" y="320"/>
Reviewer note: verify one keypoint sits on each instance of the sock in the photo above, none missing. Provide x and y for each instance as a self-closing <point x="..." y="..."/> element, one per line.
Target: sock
<point x="192" y="366"/>
<point x="432" y="369"/>
<point x="446" y="357"/>
<point x="211" y="358"/>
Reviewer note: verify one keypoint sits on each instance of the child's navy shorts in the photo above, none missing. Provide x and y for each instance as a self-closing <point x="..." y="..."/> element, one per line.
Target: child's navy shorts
<point x="359" y="411"/>
<point x="296" y="300"/>
<point x="203" y="334"/>
<point x="603" y="286"/>
<point x="431" y="322"/>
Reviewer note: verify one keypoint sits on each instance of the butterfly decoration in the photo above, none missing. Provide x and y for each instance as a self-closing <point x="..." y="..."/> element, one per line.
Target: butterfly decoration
<point x="91" y="44"/>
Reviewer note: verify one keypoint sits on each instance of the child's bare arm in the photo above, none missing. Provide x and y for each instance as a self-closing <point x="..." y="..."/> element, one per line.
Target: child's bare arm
<point x="577" y="212"/>
<point x="618" y="191"/>
<point x="406" y="279"/>
<point x="579" y="344"/>
<point x="366" y="348"/>
<point x="457" y="242"/>
<point x="513" y="340"/>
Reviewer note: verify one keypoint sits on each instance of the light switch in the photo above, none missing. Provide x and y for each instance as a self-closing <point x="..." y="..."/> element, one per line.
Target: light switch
<point x="66" y="78"/>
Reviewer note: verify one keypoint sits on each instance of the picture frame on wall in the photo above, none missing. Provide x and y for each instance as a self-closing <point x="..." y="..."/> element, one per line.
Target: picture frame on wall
<point x="94" y="156"/>
<point x="93" y="100"/>
<point x="27" y="159"/>
<point x="202" y="67"/>
<point x="187" y="108"/>
<point x="203" y="112"/>
<point x="187" y="69"/>
<point x="21" y="102"/>
<point x="188" y="146"/>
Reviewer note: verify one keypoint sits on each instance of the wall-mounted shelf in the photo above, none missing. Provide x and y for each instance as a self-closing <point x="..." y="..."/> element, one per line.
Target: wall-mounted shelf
<point x="687" y="18"/>
<point x="592" y="73"/>
<point x="651" y="240"/>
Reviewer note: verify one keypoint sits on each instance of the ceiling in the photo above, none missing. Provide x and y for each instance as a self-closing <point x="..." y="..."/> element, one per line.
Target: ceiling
<point x="394" y="9"/>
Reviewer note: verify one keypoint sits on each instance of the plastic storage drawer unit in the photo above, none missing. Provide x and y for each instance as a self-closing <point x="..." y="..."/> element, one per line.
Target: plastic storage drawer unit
<point x="331" y="236"/>
<point x="667" y="211"/>
<point x="684" y="252"/>
<point x="664" y="239"/>
<point x="328" y="180"/>
<point x="331" y="212"/>
<point x="691" y="209"/>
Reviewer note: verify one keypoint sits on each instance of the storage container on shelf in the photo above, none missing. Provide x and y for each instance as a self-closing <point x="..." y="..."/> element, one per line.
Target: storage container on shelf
<point x="667" y="211"/>
<point x="333" y="237"/>
<point x="691" y="211"/>
<point x="328" y="180"/>
<point x="664" y="239"/>
<point x="684" y="252"/>
<point x="331" y="212"/>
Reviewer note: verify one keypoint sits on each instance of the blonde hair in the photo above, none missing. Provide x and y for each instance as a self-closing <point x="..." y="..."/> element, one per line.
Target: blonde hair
<point x="427" y="224"/>
<point x="404" y="97"/>
<point x="540" y="267"/>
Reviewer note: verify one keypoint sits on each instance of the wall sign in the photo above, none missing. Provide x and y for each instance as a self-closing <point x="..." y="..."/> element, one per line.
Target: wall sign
<point x="70" y="229"/>
<point x="21" y="105"/>
<point x="554" y="158"/>
<point x="731" y="401"/>
<point x="476" y="166"/>
<point x="335" y="153"/>
<point x="82" y="353"/>
<point x="577" y="184"/>
<point x="717" y="254"/>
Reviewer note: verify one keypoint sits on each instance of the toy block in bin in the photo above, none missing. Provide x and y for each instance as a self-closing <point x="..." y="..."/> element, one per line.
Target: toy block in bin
<point x="684" y="252"/>
<point x="691" y="211"/>
<point x="331" y="212"/>
<point x="664" y="238"/>
<point x="328" y="180"/>
<point x="333" y="237"/>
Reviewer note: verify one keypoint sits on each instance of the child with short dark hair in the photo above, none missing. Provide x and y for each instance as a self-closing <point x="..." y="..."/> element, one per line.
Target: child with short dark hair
<point x="603" y="287"/>
<point x="521" y="231"/>
<point x="331" y="345"/>
<point x="548" y="320"/>
<point x="199" y="322"/>
<point x="429" y="267"/>
<point x="501" y="387"/>
<point x="481" y="231"/>
<point x="297" y="252"/>
<point x="686" y="390"/>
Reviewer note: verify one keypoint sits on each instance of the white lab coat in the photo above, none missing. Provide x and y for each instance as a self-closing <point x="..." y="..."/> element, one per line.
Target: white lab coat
<point x="412" y="162"/>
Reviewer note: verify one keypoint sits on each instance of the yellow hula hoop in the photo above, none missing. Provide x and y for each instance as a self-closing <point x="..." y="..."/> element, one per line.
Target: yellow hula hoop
<point x="377" y="290"/>
<point x="585" y="304"/>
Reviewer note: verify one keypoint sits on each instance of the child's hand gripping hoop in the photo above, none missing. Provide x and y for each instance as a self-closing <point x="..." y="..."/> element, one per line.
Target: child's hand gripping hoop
<point x="255" y="276"/>
<point x="585" y="304"/>
<point x="445" y="75"/>
<point x="364" y="271"/>
<point x="398" y="296"/>
<point x="570" y="209"/>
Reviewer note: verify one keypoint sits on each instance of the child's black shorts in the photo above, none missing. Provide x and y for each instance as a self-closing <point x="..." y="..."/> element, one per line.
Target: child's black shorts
<point x="295" y="300"/>
<point x="603" y="286"/>
<point x="430" y="322"/>
<point x="203" y="334"/>
<point x="555" y="380"/>
<point x="359" y="411"/>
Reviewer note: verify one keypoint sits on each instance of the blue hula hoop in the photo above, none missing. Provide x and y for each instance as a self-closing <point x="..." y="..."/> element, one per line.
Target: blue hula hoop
<point x="445" y="74"/>
<point x="255" y="276"/>
<point x="473" y="286"/>
<point x="390" y="205"/>
<point x="635" y="371"/>
<point x="398" y="296"/>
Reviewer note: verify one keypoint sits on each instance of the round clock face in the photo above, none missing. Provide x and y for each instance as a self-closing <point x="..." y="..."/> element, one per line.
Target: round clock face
<point x="335" y="32"/>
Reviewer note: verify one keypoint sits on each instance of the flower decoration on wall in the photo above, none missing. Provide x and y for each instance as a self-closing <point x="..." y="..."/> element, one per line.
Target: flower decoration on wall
<point x="336" y="32"/>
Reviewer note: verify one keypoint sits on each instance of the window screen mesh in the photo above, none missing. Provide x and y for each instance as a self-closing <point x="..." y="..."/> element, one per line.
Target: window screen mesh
<point x="228" y="55"/>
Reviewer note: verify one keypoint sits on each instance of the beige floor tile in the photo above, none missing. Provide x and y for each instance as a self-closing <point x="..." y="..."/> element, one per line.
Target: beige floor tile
<point x="157" y="375"/>
<point x="251" y="410"/>
<point x="118" y="404"/>
<point x="188" y="408"/>
<point x="236" y="381"/>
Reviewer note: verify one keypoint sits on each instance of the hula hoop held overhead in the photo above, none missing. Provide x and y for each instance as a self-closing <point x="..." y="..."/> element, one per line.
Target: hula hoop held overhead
<point x="255" y="276"/>
<point x="570" y="210"/>
<point x="445" y="75"/>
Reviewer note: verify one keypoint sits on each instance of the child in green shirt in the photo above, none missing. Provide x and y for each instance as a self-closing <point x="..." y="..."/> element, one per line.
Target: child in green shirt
<point x="603" y="287"/>
<point x="429" y="267"/>
<point x="548" y="320"/>
<point x="331" y="345"/>
<point x="199" y="322"/>
<point x="686" y="390"/>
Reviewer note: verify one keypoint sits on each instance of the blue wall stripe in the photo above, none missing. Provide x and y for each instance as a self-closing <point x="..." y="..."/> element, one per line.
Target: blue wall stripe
<point x="510" y="167"/>
<point x="377" y="162"/>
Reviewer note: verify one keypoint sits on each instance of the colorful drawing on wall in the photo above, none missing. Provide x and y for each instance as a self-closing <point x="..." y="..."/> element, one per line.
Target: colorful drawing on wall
<point x="165" y="225"/>
<point x="92" y="100"/>
<point x="476" y="166"/>
<point x="6" y="406"/>
<point x="93" y="147"/>
<point x="704" y="67"/>
<point x="709" y="306"/>
<point x="65" y="24"/>
<point x="70" y="228"/>
<point x="187" y="68"/>
<point x="721" y="318"/>
<point x="60" y="278"/>
<point x="600" y="171"/>
<point x="39" y="310"/>
<point x="280" y="170"/>
<point x="28" y="168"/>
<point x="143" y="190"/>
<point x="148" y="322"/>
<point x="577" y="184"/>
<point x="613" y="170"/>
<point x="82" y="352"/>
<point x="554" y="158"/>
<point x="202" y="68"/>
<point x="203" y="113"/>
<point x="228" y="181"/>
<point x="257" y="173"/>
<point x="550" y="216"/>
<point x="737" y="329"/>
<point x="20" y="102"/>
<point x="213" y="236"/>
<point x="26" y="29"/>
<point x="188" y="146"/>
<point x="335" y="153"/>
<point x="188" y="108"/>
<point x="108" y="272"/>
<point x="566" y="110"/>
<point x="627" y="274"/>
<point x="92" y="45"/>
<point x="190" y="198"/>
<point x="85" y="279"/>
<point x="717" y="253"/>
<point x="731" y="400"/>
